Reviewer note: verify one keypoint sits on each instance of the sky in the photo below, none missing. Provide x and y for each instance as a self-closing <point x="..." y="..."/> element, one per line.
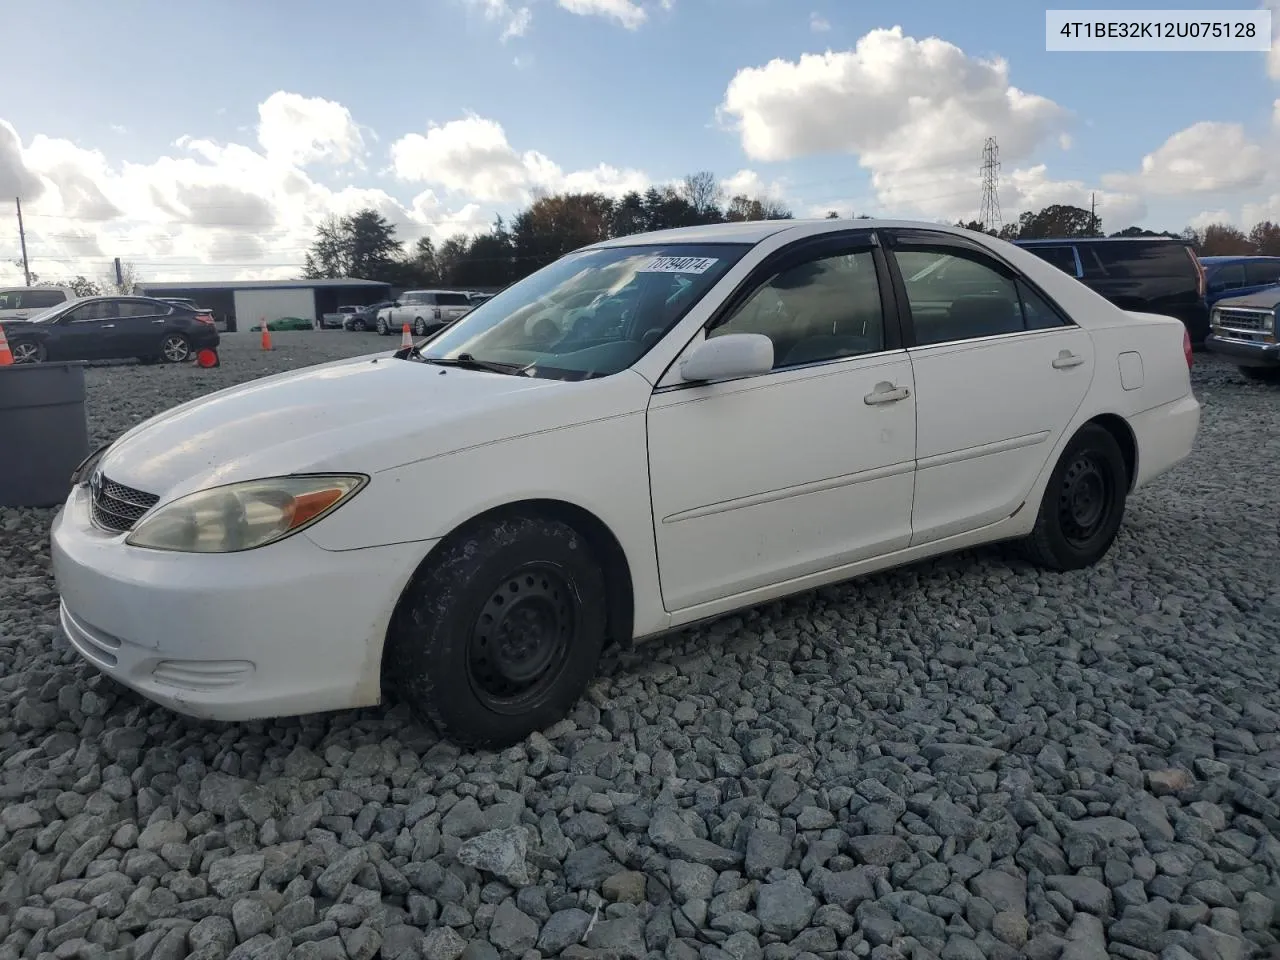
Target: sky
<point x="206" y="140"/>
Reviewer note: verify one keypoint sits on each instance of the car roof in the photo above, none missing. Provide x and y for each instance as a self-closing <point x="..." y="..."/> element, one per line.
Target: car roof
<point x="1059" y="241"/>
<point x="756" y="231"/>
<point x="1234" y="258"/>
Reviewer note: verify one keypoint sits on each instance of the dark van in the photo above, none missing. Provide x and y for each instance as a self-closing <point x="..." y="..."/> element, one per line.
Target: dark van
<point x="1146" y="274"/>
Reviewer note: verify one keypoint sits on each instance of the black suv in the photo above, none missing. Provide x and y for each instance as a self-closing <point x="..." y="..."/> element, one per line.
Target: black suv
<point x="1145" y="274"/>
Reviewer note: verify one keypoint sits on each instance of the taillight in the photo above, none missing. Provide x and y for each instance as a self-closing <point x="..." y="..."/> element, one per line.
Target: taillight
<point x="1201" y="283"/>
<point x="1186" y="346"/>
<point x="205" y="318"/>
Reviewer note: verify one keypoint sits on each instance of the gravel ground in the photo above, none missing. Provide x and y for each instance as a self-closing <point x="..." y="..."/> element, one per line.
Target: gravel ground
<point x="967" y="758"/>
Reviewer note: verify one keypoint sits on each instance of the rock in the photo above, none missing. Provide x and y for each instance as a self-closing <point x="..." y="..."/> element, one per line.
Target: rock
<point x="499" y="852"/>
<point x="1002" y="890"/>
<point x="566" y="927"/>
<point x="464" y="820"/>
<point x="250" y="917"/>
<point x="691" y="881"/>
<point x="220" y="794"/>
<point x="622" y="938"/>
<point x="157" y="834"/>
<point x="441" y="943"/>
<point x="784" y="908"/>
<point x="589" y="867"/>
<point x="848" y="888"/>
<point x="961" y="757"/>
<point x="1011" y="927"/>
<point x="362" y="943"/>
<point x="512" y="930"/>
<point x="1085" y="893"/>
<point x="704" y="851"/>
<point x="1164" y="783"/>
<point x="879" y="851"/>
<point x="765" y="851"/>
<point x="338" y="874"/>
<point x="625" y="887"/>
<point x="235" y="875"/>
<point x="1105" y="830"/>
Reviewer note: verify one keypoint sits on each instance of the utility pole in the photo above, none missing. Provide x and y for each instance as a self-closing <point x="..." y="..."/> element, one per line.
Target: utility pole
<point x="1093" y="214"/>
<point x="119" y="277"/>
<point x="22" y="236"/>
<point x="990" y="211"/>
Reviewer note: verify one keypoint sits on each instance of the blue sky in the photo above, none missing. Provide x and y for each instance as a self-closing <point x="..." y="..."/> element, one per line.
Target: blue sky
<point x="644" y="93"/>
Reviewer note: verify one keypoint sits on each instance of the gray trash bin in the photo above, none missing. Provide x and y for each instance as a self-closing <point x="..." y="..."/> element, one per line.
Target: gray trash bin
<point x="44" y="432"/>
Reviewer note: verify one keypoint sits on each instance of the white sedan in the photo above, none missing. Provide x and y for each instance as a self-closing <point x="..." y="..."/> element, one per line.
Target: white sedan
<point x="648" y="432"/>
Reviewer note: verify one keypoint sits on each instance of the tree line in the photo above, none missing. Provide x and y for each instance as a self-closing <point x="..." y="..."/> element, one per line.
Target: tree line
<point x="1064" y="220"/>
<point x="365" y="245"/>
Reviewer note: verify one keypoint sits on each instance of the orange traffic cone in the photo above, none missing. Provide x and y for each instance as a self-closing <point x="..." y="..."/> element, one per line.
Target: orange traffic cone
<point x="266" y="335"/>
<point x="406" y="338"/>
<point x="6" y="355"/>
<point x="208" y="357"/>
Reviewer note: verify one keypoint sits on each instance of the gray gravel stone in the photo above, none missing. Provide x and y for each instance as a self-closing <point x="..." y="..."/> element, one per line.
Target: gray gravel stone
<point x="564" y="928"/>
<point x="500" y="852"/>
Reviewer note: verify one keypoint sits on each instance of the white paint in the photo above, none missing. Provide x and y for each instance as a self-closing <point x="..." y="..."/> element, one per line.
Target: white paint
<point x="721" y="495"/>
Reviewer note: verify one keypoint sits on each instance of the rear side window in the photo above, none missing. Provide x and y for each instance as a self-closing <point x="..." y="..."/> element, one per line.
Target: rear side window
<point x="1134" y="259"/>
<point x="1262" y="271"/>
<point x="452" y="300"/>
<point x="142" y="308"/>
<point x="1064" y="258"/>
<point x="43" y="298"/>
<point x="1228" y="277"/>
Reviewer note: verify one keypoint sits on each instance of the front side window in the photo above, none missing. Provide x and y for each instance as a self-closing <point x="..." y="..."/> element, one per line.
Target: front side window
<point x="1262" y="272"/>
<point x="823" y="309"/>
<point x="589" y="314"/>
<point x="960" y="295"/>
<point x="95" y="310"/>
<point x="1229" y="277"/>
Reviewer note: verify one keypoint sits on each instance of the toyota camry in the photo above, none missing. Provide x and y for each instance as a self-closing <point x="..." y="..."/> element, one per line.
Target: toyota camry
<point x="650" y="431"/>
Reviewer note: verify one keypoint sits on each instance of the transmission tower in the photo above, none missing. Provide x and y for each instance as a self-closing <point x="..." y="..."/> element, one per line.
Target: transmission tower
<point x="990" y="215"/>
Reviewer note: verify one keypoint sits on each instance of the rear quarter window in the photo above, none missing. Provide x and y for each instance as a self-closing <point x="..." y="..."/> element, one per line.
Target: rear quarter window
<point x="1064" y="258"/>
<point x="1125" y="260"/>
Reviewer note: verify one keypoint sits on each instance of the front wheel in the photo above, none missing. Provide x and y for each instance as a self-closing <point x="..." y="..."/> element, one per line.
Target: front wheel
<point x="419" y="327"/>
<point x="1083" y="503"/>
<point x="499" y="634"/>
<point x="175" y="348"/>
<point x="358" y="325"/>
<point x="382" y="327"/>
<point x="28" y="351"/>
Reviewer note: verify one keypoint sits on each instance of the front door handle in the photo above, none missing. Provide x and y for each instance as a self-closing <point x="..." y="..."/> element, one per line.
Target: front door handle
<point x="107" y="326"/>
<point x="886" y="392"/>
<point x="158" y="321"/>
<point x="1066" y="359"/>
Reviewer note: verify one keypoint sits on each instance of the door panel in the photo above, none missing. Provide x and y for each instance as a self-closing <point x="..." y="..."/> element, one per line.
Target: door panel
<point x="990" y="413"/>
<point x="759" y="481"/>
<point x="999" y="372"/>
<point x="764" y="479"/>
<point x="86" y="332"/>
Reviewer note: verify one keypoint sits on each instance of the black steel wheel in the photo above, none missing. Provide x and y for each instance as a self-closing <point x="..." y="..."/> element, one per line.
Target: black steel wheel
<point x="1083" y="503"/>
<point x="500" y="631"/>
<point x="175" y="348"/>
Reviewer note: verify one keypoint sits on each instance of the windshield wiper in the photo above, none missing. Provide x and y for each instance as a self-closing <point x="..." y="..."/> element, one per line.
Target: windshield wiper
<point x="468" y="362"/>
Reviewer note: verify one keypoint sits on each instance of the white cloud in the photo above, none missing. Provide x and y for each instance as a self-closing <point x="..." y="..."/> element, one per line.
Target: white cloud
<point x="1204" y="157"/>
<point x="302" y="130"/>
<point x="514" y="20"/>
<point x="627" y="12"/>
<point x="1275" y="114"/>
<point x="1032" y="189"/>
<point x="748" y="183"/>
<point x="819" y="23"/>
<point x="1207" y="217"/>
<point x="472" y="157"/>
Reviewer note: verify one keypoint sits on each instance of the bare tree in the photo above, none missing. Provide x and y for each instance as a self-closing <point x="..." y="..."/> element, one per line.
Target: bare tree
<point x="126" y="285"/>
<point x="702" y="191"/>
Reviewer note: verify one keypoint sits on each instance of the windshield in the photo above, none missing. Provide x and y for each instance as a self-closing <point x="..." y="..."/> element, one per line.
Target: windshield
<point x="50" y="313"/>
<point x="589" y="314"/>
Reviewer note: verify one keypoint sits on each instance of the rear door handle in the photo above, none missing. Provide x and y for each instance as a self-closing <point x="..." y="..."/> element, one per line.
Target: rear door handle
<point x="886" y="393"/>
<point x="1065" y="360"/>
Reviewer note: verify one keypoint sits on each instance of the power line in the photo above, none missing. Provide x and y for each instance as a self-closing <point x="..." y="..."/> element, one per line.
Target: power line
<point x="989" y="215"/>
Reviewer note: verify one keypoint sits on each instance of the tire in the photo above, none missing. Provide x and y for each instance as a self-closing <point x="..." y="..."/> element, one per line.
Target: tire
<point x="28" y="351"/>
<point x="175" y="348"/>
<point x="1083" y="503"/>
<point x="419" y="327"/>
<point x="382" y="327"/>
<point x="1262" y="374"/>
<point x="444" y="656"/>
<point x="359" y="326"/>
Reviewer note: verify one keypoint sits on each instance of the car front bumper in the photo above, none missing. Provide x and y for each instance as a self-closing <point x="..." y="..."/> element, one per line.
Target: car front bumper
<point x="283" y="630"/>
<point x="1245" y="352"/>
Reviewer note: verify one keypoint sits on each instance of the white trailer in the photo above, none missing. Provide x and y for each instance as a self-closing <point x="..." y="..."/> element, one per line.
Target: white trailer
<point x="272" y="304"/>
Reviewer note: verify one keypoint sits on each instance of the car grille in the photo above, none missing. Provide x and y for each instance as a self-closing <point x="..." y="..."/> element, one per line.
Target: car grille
<point x="1244" y="321"/>
<point x="118" y="507"/>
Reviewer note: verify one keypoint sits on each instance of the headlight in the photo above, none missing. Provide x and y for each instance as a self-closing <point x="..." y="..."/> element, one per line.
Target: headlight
<point x="243" y="516"/>
<point x="81" y="473"/>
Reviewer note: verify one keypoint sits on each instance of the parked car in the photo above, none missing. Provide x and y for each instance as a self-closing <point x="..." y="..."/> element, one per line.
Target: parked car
<point x="1244" y="330"/>
<point x="285" y="323"/>
<point x="1147" y="274"/>
<point x="337" y="321"/>
<point x="365" y="318"/>
<point x="21" y="303"/>
<point x="111" y="328"/>
<point x="776" y="405"/>
<point x="1238" y="276"/>
<point x="424" y="310"/>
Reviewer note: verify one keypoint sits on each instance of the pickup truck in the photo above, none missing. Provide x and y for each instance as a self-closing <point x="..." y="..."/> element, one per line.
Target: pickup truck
<point x="1244" y="329"/>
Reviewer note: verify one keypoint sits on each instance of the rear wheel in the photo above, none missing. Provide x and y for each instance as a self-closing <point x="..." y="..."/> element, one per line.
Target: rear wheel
<point x="1265" y="374"/>
<point x="175" y="348"/>
<point x="499" y="634"/>
<point x="358" y="325"/>
<point x="28" y="351"/>
<point x="1083" y="503"/>
<point x="382" y="327"/>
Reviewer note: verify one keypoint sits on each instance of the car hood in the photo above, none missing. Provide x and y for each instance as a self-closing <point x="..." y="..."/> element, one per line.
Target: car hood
<point x="363" y="415"/>
<point x="1266" y="299"/>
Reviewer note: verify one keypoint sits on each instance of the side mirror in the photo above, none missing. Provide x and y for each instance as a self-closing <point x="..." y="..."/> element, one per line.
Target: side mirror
<point x="728" y="357"/>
